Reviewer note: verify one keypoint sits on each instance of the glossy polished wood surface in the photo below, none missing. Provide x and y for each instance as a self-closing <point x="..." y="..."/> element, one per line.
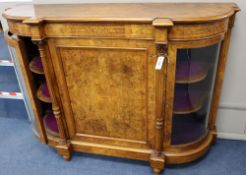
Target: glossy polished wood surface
<point x="99" y="65"/>
<point x="177" y="12"/>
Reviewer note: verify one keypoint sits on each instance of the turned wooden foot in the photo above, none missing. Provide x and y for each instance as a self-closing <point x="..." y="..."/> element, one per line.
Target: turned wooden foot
<point x="65" y="151"/>
<point x="157" y="163"/>
<point x="157" y="171"/>
<point x="67" y="157"/>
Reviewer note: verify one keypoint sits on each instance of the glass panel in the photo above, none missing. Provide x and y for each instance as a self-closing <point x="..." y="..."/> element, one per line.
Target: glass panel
<point x="195" y="74"/>
<point x="4" y="51"/>
<point x="26" y="101"/>
<point x="21" y="83"/>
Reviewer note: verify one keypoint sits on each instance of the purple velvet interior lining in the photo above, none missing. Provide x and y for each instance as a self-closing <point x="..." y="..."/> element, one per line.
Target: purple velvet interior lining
<point x="186" y="99"/>
<point x="186" y="70"/>
<point x="45" y="90"/>
<point x="37" y="62"/>
<point x="190" y="127"/>
<point x="50" y="122"/>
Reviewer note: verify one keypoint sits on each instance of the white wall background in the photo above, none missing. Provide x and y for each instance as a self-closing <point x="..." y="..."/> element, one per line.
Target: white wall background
<point x="231" y="122"/>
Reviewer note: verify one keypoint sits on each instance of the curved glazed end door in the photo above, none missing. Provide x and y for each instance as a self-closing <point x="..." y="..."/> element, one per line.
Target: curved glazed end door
<point x="18" y="50"/>
<point x="194" y="72"/>
<point x="194" y="83"/>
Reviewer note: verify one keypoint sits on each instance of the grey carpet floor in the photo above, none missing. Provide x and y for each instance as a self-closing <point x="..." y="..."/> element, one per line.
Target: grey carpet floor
<point x="8" y="80"/>
<point x="22" y="154"/>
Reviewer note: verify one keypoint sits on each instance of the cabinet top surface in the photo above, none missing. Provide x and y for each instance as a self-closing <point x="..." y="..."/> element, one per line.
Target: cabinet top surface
<point x="142" y="12"/>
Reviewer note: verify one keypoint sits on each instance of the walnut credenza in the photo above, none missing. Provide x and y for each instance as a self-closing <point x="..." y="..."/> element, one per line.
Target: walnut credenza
<point x="139" y="81"/>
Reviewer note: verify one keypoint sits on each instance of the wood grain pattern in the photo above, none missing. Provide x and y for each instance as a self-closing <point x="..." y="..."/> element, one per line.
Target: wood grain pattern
<point x="93" y="29"/>
<point x="198" y="31"/>
<point x="170" y="79"/>
<point x="141" y="31"/>
<point x="181" y="155"/>
<point x="17" y="27"/>
<point x="178" y="12"/>
<point x="111" y="57"/>
<point x="112" y="79"/>
<point x="99" y="63"/>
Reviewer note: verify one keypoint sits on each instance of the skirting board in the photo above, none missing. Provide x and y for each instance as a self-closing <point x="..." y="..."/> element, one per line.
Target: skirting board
<point x="231" y="136"/>
<point x="231" y="122"/>
<point x="233" y="106"/>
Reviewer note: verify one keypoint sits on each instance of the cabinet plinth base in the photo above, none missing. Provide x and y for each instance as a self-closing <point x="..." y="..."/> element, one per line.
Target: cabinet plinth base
<point x="188" y="153"/>
<point x="171" y="155"/>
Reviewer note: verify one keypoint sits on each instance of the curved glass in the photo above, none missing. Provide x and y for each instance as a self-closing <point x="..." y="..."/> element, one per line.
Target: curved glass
<point x="195" y="75"/>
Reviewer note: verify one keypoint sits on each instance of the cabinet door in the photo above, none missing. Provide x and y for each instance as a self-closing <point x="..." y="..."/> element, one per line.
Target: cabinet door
<point x="107" y="89"/>
<point x="17" y="47"/>
<point x="194" y="83"/>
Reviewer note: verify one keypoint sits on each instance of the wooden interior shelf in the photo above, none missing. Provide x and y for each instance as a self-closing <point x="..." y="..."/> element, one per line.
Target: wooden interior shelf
<point x="51" y="124"/>
<point x="43" y="93"/>
<point x="36" y="65"/>
<point x="191" y="72"/>
<point x="187" y="101"/>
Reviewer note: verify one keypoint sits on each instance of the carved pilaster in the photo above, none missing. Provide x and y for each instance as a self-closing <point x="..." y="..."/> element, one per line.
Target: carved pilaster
<point x="157" y="159"/>
<point x="57" y="114"/>
<point x="160" y="96"/>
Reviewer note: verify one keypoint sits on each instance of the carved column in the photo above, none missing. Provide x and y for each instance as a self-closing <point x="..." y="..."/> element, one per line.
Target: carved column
<point x="157" y="159"/>
<point x="63" y="147"/>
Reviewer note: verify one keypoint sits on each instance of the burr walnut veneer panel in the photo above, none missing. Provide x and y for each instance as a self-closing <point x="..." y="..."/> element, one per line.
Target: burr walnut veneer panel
<point x="115" y="79"/>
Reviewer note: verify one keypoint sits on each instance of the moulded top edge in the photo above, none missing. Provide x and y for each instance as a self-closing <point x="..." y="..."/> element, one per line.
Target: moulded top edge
<point x="140" y="12"/>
